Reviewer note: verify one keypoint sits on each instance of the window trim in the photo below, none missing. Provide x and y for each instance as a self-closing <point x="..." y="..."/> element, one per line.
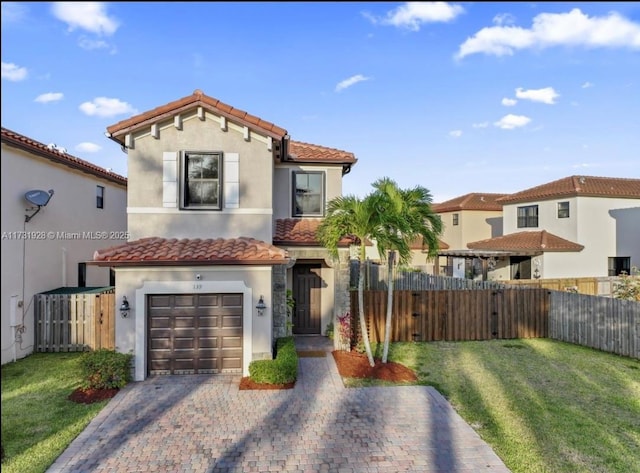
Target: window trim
<point x="100" y="197"/>
<point x="562" y="211"/>
<point x="456" y="219"/>
<point x="323" y="185"/>
<point x="184" y="181"/>
<point x="530" y="216"/>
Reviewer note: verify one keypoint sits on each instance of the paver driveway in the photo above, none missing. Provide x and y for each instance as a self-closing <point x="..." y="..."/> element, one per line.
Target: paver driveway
<point x="204" y="424"/>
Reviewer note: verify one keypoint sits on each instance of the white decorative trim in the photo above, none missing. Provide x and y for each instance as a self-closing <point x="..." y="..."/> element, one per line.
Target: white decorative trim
<point x="201" y="114"/>
<point x="269" y="143"/>
<point x="190" y="287"/>
<point x="246" y="134"/>
<point x="177" y="122"/>
<point x="163" y="210"/>
<point x="169" y="179"/>
<point x="128" y="141"/>
<point x="223" y="123"/>
<point x="155" y="131"/>
<point x="231" y="175"/>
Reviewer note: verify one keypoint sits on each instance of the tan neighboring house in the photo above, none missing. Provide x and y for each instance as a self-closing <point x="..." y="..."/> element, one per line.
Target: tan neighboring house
<point x="578" y="226"/>
<point x="467" y="218"/>
<point x="57" y="210"/>
<point x="223" y="209"/>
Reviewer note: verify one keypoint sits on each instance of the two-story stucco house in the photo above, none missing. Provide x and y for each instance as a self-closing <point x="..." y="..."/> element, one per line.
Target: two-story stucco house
<point x="57" y="210"/>
<point x="578" y="226"/>
<point x="467" y="218"/>
<point x="222" y="212"/>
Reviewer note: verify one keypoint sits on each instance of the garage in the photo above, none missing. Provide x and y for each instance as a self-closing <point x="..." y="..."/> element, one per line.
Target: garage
<point x="194" y="333"/>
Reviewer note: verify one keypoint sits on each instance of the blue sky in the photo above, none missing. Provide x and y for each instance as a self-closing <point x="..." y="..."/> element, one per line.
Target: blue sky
<point x="455" y="97"/>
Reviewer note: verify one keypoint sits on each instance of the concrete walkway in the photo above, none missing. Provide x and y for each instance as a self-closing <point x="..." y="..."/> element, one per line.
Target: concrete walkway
<point x="202" y="423"/>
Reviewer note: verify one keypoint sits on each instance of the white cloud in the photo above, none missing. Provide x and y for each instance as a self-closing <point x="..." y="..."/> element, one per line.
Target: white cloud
<point x="87" y="147"/>
<point x="412" y="15"/>
<point x="504" y="19"/>
<point x="509" y="122"/>
<point x="455" y="133"/>
<point x="480" y="125"/>
<point x="88" y="16"/>
<point x="13" y="73"/>
<point x="90" y="44"/>
<point x="507" y="102"/>
<point x="350" y="81"/>
<point x="587" y="85"/>
<point x="106" y="107"/>
<point x="555" y="29"/>
<point x="49" y="97"/>
<point x="546" y="95"/>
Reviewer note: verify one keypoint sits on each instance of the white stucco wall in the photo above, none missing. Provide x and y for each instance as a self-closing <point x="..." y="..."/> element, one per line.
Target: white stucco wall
<point x="67" y="231"/>
<point x="137" y="283"/>
<point x="606" y="227"/>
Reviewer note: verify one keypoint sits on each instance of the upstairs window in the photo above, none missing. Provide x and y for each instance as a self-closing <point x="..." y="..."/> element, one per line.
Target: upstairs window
<point x="201" y="185"/>
<point x="563" y="209"/>
<point x="456" y="219"/>
<point x="528" y="216"/>
<point x="619" y="265"/>
<point x="308" y="194"/>
<point x="100" y="197"/>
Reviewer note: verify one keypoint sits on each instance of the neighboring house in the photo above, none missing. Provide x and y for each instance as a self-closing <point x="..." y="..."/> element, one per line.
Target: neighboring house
<point x="48" y="236"/>
<point x="223" y="209"/>
<point x="467" y="218"/>
<point x="578" y="226"/>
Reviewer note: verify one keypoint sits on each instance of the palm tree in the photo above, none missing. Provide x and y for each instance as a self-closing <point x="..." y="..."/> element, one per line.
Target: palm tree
<point x="365" y="220"/>
<point x="409" y="216"/>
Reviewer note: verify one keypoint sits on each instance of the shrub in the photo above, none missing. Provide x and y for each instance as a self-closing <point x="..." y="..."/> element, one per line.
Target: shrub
<point x="282" y="369"/>
<point x="329" y="330"/>
<point x="628" y="288"/>
<point x="105" y="369"/>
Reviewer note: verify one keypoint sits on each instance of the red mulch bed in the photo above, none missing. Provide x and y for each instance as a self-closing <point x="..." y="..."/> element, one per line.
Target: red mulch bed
<point x="351" y="364"/>
<point x="89" y="396"/>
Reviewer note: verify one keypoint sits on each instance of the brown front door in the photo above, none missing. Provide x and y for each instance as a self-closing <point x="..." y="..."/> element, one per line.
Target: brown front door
<point x="306" y="292"/>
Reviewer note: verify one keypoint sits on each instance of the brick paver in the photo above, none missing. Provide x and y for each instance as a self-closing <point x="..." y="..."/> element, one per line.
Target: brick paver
<point x="205" y="424"/>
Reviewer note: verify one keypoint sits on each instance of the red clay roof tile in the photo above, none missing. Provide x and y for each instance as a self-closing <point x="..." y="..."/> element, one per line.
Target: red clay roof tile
<point x="307" y="152"/>
<point x="523" y="241"/>
<point x="164" y="251"/>
<point x="471" y="201"/>
<point x="416" y="244"/>
<point x="198" y="98"/>
<point x="16" y="140"/>
<point x="301" y="232"/>
<point x="587" y="186"/>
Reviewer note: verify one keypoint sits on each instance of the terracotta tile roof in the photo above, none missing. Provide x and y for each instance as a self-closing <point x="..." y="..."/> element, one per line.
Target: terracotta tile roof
<point x="525" y="241"/>
<point x="471" y="201"/>
<point x="301" y="232"/>
<point x="587" y="186"/>
<point x="309" y="153"/>
<point x="417" y="244"/>
<point x="164" y="251"/>
<point x="198" y="98"/>
<point x="58" y="155"/>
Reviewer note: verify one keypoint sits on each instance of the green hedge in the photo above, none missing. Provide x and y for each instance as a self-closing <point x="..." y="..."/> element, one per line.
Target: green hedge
<point x="283" y="369"/>
<point x="105" y="369"/>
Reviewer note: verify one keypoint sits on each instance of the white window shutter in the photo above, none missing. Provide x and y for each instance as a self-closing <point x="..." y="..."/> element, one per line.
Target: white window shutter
<point x="169" y="179"/>
<point x="231" y="176"/>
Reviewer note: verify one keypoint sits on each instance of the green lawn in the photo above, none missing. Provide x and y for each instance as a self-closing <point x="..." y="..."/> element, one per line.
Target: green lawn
<point x="38" y="421"/>
<point x="544" y="406"/>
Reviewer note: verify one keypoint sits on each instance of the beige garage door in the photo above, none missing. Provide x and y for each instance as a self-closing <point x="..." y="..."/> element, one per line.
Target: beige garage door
<point x="194" y="333"/>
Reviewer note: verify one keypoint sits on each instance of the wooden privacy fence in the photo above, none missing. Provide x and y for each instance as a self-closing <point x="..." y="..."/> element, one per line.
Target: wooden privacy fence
<point x="456" y="315"/>
<point x="611" y="325"/>
<point x="66" y="320"/>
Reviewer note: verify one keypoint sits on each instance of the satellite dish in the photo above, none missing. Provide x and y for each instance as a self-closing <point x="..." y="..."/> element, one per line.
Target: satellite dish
<point x="38" y="198"/>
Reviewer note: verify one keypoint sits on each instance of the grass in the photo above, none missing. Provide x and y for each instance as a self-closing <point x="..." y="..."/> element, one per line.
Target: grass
<point x="38" y="421"/>
<point x="543" y="405"/>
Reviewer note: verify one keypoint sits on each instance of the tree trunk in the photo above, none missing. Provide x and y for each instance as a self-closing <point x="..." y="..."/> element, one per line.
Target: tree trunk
<point x="363" y="322"/>
<point x="387" y="327"/>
